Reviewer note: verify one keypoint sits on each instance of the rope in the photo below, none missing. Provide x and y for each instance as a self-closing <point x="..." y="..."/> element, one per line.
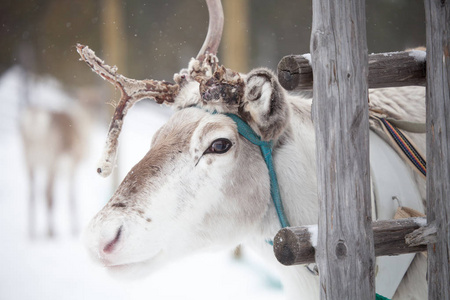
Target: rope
<point x="266" y="150"/>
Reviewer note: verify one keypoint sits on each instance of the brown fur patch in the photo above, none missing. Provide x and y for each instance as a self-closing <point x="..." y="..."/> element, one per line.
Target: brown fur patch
<point x="170" y="142"/>
<point x="210" y="127"/>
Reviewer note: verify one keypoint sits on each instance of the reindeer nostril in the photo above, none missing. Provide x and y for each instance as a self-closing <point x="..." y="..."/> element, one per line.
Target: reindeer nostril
<point x="110" y="246"/>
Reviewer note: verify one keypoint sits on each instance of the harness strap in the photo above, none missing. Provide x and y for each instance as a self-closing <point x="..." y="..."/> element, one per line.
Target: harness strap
<point x="404" y="144"/>
<point x="266" y="149"/>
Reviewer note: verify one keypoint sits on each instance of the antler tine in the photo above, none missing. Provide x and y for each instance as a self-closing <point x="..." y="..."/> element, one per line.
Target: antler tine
<point x="215" y="28"/>
<point x="132" y="91"/>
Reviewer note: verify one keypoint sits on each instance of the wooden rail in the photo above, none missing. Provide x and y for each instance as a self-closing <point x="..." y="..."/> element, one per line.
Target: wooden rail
<point x="385" y="70"/>
<point x="295" y="245"/>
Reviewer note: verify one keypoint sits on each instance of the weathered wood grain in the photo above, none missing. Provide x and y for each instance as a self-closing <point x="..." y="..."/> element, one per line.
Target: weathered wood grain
<point x="345" y="252"/>
<point x="294" y="245"/>
<point x="385" y="70"/>
<point x="437" y="14"/>
<point x="422" y="236"/>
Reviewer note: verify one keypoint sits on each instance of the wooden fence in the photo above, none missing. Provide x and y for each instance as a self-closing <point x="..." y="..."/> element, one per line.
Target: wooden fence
<point x="343" y="71"/>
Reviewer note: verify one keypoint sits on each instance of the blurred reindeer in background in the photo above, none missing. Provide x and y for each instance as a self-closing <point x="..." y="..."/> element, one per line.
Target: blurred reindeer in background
<point x="54" y="142"/>
<point x="49" y="138"/>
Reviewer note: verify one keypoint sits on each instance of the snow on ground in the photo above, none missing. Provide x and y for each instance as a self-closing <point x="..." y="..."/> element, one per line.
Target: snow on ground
<point x="60" y="269"/>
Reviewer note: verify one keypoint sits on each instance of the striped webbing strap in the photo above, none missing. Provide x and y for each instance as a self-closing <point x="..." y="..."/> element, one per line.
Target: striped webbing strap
<point x="405" y="145"/>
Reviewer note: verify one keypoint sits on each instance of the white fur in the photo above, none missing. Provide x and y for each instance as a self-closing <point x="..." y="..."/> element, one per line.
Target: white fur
<point x="200" y="201"/>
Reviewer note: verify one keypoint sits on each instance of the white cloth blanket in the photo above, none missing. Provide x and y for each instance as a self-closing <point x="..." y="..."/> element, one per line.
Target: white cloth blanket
<point x="392" y="185"/>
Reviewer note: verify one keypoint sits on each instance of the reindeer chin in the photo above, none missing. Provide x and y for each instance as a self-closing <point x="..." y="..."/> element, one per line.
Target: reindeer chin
<point x="136" y="270"/>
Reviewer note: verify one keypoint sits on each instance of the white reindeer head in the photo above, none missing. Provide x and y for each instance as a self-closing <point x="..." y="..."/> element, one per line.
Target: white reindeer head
<point x="201" y="185"/>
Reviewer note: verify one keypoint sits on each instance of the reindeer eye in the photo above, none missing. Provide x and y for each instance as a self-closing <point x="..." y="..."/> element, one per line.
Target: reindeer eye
<point x="219" y="146"/>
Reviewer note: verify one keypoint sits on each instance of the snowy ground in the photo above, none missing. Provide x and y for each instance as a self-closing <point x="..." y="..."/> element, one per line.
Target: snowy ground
<point x="59" y="268"/>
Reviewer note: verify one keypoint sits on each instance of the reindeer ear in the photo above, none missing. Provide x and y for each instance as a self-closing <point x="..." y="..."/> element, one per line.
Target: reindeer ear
<point x="264" y="104"/>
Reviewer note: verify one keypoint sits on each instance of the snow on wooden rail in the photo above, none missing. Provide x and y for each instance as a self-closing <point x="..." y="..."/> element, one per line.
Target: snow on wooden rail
<point x="296" y="245"/>
<point x="391" y="69"/>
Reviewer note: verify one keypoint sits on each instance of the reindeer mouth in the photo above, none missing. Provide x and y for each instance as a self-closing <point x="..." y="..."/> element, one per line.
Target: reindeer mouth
<point x="135" y="270"/>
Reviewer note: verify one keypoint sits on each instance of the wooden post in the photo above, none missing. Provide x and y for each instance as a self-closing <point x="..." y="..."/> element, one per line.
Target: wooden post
<point x="113" y="33"/>
<point x="114" y="49"/>
<point x="345" y="252"/>
<point x="438" y="145"/>
<point x="235" y="45"/>
<point x="236" y="37"/>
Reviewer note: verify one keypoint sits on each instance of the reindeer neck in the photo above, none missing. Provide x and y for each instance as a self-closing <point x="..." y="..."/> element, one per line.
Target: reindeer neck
<point x="295" y="165"/>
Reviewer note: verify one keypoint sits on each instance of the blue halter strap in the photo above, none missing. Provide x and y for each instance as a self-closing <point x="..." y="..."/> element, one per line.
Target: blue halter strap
<point x="266" y="150"/>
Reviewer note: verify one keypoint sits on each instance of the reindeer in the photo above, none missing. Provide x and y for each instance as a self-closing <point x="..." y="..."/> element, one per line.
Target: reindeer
<point x="202" y="185"/>
<point x="48" y="138"/>
<point x="54" y="142"/>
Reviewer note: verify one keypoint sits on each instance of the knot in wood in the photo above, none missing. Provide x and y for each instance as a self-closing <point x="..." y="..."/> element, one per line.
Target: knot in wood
<point x="341" y="250"/>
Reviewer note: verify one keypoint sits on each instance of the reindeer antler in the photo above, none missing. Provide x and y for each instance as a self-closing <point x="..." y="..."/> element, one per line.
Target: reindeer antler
<point x="132" y="91"/>
<point x="217" y="84"/>
<point x="215" y="29"/>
